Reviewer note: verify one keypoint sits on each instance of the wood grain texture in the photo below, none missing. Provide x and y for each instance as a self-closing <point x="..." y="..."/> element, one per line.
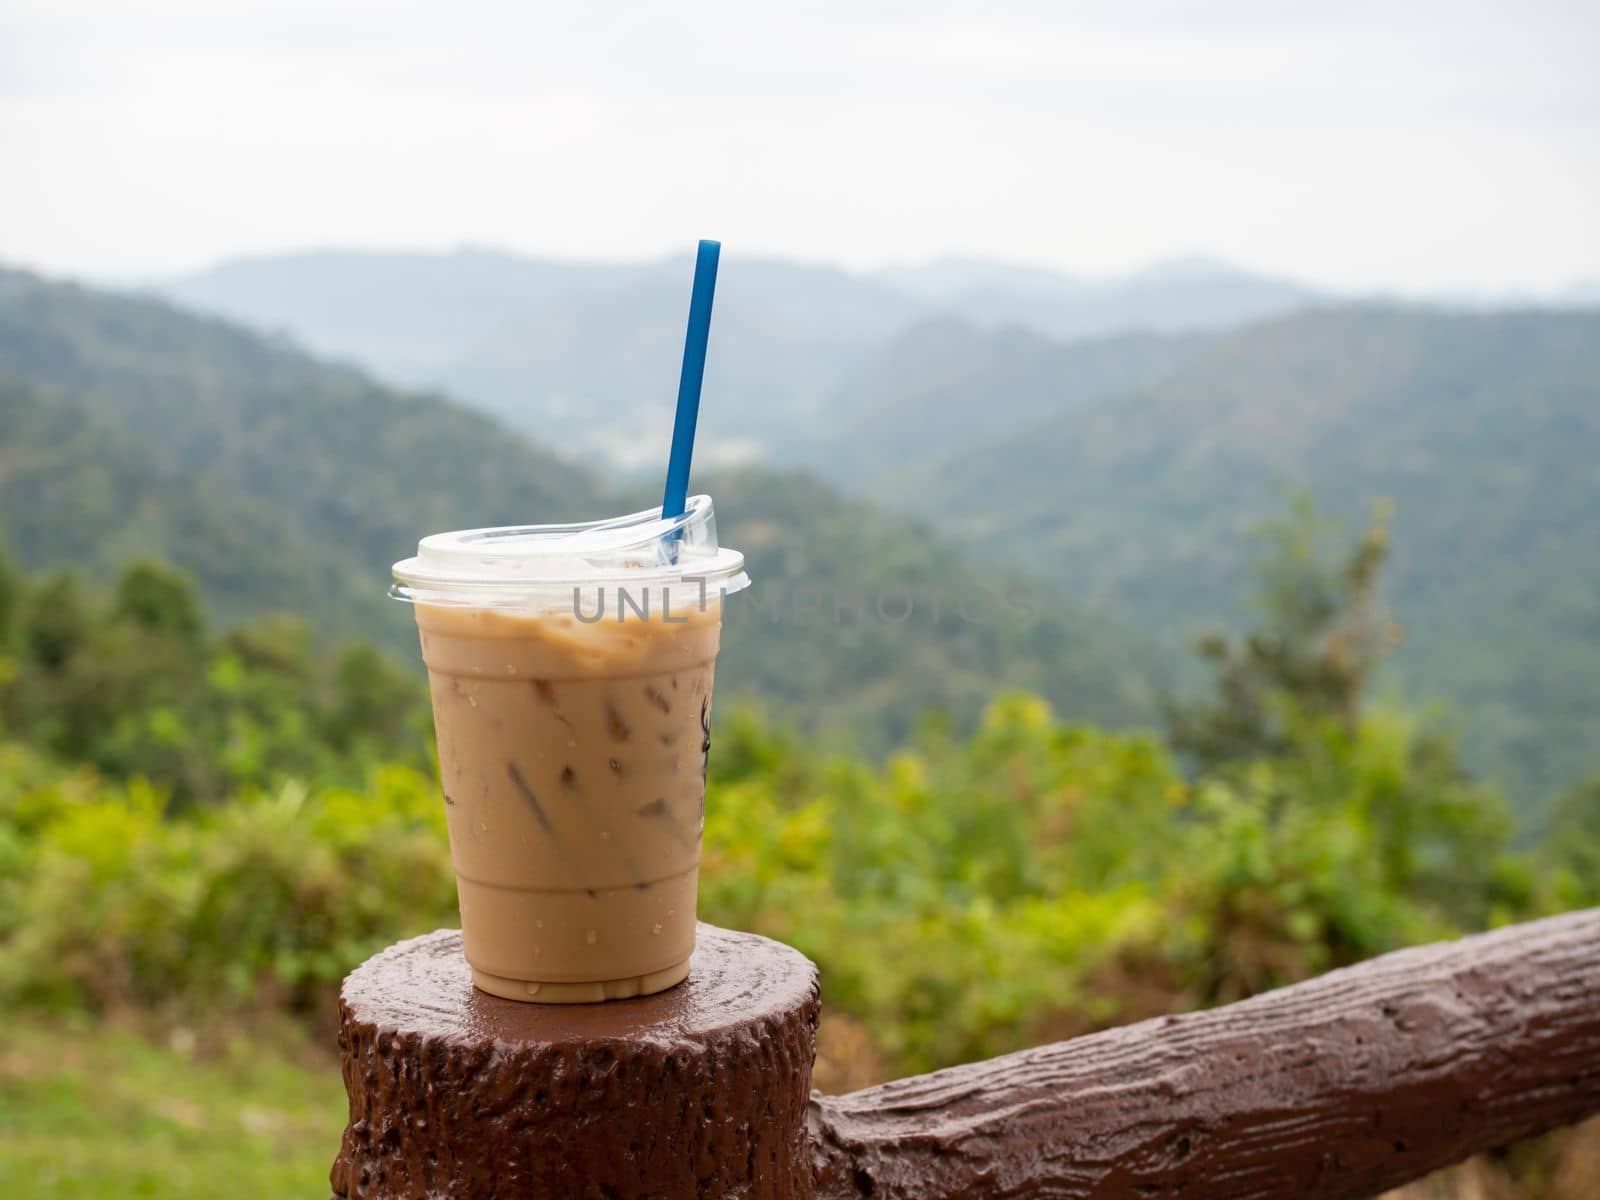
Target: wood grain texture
<point x="1338" y="1087"/>
<point x="697" y="1091"/>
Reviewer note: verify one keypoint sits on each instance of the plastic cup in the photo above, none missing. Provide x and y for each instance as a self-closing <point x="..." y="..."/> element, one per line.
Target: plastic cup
<point x="571" y="671"/>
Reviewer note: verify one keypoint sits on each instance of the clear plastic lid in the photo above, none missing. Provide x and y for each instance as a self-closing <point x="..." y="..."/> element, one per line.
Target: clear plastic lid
<point x="517" y="566"/>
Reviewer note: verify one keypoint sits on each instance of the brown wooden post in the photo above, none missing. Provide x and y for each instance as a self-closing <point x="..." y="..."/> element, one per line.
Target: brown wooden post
<point x="1338" y="1087"/>
<point x="699" y="1091"/>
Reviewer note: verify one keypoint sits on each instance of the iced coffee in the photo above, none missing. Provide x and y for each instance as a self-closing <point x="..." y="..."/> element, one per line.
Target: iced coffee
<point x="573" y="718"/>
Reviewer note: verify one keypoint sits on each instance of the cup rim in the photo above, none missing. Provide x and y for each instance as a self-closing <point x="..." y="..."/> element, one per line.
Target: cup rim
<point x="508" y="564"/>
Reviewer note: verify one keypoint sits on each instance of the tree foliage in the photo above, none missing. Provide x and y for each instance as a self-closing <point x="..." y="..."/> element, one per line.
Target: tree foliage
<point x="132" y="685"/>
<point x="191" y="818"/>
<point x="1322" y="636"/>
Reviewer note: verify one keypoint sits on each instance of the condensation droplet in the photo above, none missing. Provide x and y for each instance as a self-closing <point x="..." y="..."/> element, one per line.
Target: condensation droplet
<point x="605" y="834"/>
<point x="538" y="951"/>
<point x="538" y="923"/>
<point x="590" y="936"/>
<point x="472" y="700"/>
<point x="656" y="928"/>
<point x="533" y="988"/>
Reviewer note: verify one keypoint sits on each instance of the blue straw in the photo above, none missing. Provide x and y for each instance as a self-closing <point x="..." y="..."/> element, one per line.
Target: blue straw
<point x="676" y="498"/>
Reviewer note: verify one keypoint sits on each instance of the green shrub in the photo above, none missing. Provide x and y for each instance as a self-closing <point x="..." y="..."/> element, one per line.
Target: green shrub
<point x="964" y="898"/>
<point x="275" y="895"/>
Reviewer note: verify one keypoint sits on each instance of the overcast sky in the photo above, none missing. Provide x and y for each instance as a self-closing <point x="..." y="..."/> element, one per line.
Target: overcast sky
<point x="1400" y="145"/>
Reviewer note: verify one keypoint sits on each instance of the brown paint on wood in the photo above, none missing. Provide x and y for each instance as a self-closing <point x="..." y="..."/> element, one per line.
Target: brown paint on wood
<point x="698" y="1091"/>
<point x="1338" y="1087"/>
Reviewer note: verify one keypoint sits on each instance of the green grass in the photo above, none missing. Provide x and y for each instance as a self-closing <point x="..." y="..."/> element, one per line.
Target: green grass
<point x="92" y="1112"/>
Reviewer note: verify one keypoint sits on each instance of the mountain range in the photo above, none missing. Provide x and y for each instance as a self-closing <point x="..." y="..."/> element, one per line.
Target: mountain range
<point x="1184" y="295"/>
<point x="1124" y="471"/>
<point x="943" y="385"/>
<point x="1482" y="429"/>
<point x="285" y="484"/>
<point x="584" y="356"/>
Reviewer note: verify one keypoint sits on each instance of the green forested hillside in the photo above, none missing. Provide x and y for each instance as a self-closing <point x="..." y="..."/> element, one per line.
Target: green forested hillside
<point x="284" y="483"/>
<point x="287" y="485"/>
<point x="940" y="386"/>
<point x="1483" y="429"/>
<point x="362" y="466"/>
<point x="78" y="492"/>
<point x="860" y="621"/>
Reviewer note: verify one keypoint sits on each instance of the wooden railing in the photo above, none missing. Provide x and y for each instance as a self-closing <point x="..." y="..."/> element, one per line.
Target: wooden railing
<point x="1341" y="1086"/>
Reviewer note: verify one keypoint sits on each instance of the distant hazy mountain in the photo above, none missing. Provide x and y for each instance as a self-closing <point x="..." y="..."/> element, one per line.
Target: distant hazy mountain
<point x="1483" y="428"/>
<point x="404" y="315"/>
<point x="1187" y="295"/>
<point x="129" y="427"/>
<point x="598" y="376"/>
<point x="1580" y="294"/>
<point x="585" y="356"/>
<point x="946" y="384"/>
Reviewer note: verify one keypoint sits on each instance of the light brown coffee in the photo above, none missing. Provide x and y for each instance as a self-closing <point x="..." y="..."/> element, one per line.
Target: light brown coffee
<point x="573" y="761"/>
